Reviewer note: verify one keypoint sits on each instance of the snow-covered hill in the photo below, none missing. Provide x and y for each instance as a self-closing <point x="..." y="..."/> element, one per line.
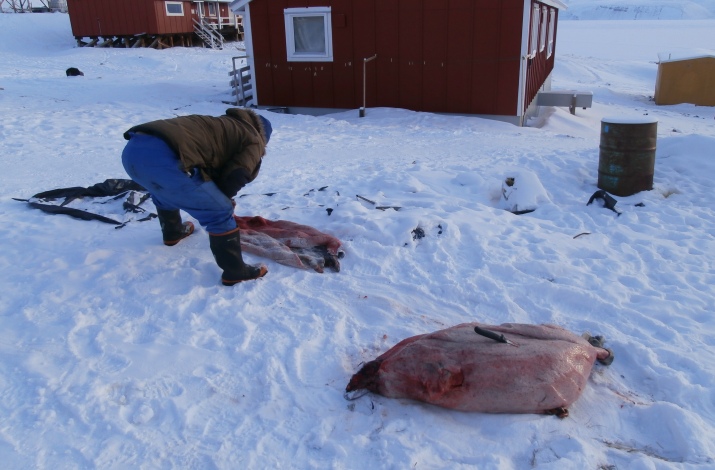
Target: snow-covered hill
<point x="639" y="10"/>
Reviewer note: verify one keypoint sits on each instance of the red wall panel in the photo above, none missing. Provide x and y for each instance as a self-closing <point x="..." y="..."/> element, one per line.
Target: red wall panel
<point x="387" y="47"/>
<point x="410" y="54"/>
<point x="485" y="58"/>
<point x="323" y="85"/>
<point x="434" y="56"/>
<point x="343" y="71"/>
<point x="266" y="87"/>
<point x="460" y="56"/>
<point x="172" y="24"/>
<point x="283" y="74"/>
<point x="509" y="60"/>
<point x="302" y="84"/>
<point x="125" y="18"/>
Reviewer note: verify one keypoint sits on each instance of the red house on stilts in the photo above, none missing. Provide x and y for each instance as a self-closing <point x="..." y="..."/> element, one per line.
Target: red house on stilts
<point x="475" y="57"/>
<point x="153" y="23"/>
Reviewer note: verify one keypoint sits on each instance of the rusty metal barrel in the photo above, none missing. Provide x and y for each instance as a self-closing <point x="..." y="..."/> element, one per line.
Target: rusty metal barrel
<point x="626" y="160"/>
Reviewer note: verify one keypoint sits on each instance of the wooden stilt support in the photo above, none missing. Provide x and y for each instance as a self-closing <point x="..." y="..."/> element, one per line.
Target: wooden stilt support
<point x="159" y="41"/>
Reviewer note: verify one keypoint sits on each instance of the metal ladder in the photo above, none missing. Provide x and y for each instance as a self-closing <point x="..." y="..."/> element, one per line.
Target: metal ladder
<point x="207" y="34"/>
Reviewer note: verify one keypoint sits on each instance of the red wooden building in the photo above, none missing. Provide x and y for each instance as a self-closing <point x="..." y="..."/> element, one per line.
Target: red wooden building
<point x="218" y="13"/>
<point x="477" y="57"/>
<point x="151" y="23"/>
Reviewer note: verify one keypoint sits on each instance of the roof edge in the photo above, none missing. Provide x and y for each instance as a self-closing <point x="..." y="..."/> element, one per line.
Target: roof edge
<point x="679" y="56"/>
<point x="237" y="5"/>
<point x="556" y="4"/>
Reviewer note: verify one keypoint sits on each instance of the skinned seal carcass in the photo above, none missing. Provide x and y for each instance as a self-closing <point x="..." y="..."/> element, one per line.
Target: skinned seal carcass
<point x="510" y="368"/>
<point x="289" y="243"/>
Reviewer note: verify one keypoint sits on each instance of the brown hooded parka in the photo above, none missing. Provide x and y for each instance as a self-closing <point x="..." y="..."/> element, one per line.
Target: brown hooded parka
<point x="217" y="146"/>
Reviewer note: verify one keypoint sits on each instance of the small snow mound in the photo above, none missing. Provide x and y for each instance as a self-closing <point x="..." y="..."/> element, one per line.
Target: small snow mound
<point x="521" y="192"/>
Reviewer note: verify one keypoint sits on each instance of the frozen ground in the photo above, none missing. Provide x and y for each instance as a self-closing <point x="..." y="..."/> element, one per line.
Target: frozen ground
<point x="119" y="352"/>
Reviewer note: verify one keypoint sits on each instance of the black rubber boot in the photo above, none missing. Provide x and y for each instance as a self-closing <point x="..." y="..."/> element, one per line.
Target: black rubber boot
<point x="172" y="229"/>
<point x="226" y="248"/>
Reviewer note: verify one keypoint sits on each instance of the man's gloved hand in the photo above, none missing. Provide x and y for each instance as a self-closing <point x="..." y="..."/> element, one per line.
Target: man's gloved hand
<point x="232" y="183"/>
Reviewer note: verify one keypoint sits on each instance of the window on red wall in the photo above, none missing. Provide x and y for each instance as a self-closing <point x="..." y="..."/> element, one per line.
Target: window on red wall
<point x="552" y="32"/>
<point x="542" y="33"/>
<point x="174" y="8"/>
<point x="212" y="9"/>
<point x="534" y="40"/>
<point x="309" y="35"/>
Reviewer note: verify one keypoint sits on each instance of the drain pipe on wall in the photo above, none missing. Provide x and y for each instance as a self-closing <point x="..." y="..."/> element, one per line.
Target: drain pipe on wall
<point x="364" y="80"/>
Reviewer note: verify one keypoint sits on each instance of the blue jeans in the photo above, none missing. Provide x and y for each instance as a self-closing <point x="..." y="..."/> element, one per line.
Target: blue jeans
<point x="153" y="164"/>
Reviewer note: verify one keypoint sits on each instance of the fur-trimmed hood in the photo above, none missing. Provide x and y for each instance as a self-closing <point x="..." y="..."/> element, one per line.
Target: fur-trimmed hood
<point x="257" y="121"/>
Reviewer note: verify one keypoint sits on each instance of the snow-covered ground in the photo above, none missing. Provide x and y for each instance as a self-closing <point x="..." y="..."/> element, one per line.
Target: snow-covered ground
<point x="119" y="352"/>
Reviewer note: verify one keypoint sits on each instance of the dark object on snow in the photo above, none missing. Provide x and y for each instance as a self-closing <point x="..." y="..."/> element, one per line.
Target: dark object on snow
<point x="455" y="368"/>
<point x="74" y="72"/>
<point x="418" y="234"/>
<point x="382" y="208"/>
<point x="110" y="187"/>
<point x="365" y="199"/>
<point x="626" y="160"/>
<point x="608" y="201"/>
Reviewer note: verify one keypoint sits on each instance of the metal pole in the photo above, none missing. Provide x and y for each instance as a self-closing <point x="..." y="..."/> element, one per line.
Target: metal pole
<point x="364" y="80"/>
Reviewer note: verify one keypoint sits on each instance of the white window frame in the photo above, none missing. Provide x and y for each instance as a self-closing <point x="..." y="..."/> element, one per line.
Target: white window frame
<point x="212" y="9"/>
<point x="542" y="33"/>
<point x="552" y="27"/>
<point x="325" y="13"/>
<point x="168" y="13"/>
<point x="535" y="12"/>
